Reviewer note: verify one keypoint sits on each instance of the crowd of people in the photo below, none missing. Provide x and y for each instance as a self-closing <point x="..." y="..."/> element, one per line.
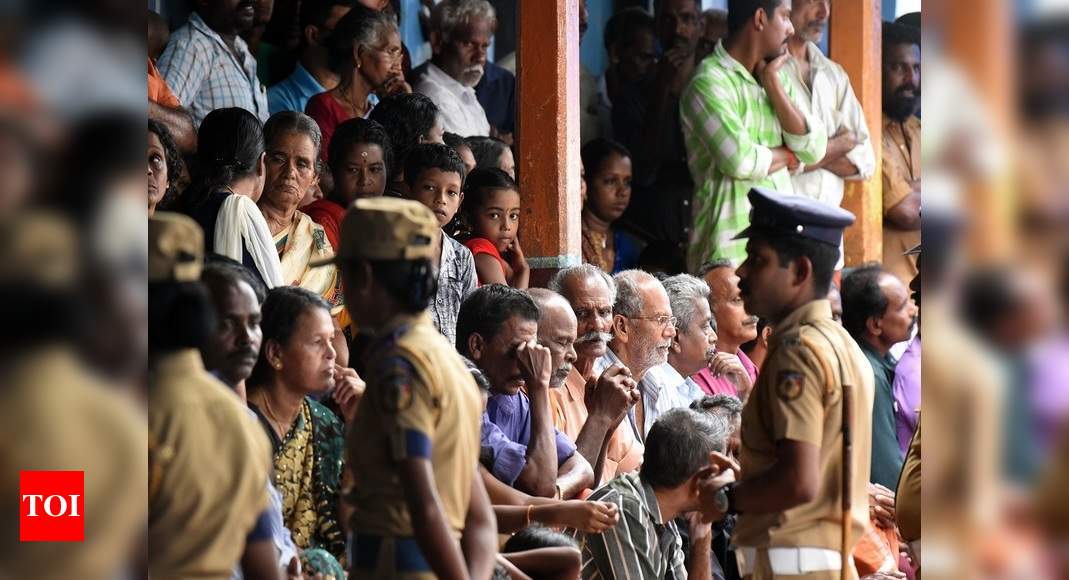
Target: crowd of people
<point x="353" y="374"/>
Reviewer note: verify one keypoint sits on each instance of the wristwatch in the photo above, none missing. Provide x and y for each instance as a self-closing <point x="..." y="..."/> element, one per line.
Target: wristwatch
<point x="721" y="501"/>
<point x="727" y="505"/>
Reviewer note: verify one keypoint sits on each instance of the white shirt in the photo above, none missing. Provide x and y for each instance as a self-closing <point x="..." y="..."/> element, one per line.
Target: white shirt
<point x="831" y="99"/>
<point x="461" y="112"/>
<point x="662" y="388"/>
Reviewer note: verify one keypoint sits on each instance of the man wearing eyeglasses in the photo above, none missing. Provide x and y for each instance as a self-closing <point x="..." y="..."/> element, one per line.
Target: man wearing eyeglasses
<point x="643" y="331"/>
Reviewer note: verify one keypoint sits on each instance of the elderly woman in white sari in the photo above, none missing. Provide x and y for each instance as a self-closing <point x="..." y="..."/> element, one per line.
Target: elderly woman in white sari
<point x="292" y="142"/>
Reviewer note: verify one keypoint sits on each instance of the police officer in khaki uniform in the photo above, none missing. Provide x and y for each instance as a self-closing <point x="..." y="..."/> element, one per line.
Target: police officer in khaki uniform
<point x="209" y="461"/>
<point x="58" y="415"/>
<point x="790" y="494"/>
<point x="420" y="509"/>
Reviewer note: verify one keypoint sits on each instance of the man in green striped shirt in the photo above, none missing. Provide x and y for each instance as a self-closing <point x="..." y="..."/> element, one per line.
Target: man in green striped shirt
<point x="677" y="478"/>
<point x="744" y="126"/>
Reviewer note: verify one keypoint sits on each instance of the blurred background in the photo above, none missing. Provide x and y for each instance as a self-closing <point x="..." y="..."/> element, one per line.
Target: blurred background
<point x="995" y="279"/>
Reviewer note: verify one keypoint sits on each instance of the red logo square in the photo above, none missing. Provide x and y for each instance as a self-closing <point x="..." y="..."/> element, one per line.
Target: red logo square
<point x="51" y="506"/>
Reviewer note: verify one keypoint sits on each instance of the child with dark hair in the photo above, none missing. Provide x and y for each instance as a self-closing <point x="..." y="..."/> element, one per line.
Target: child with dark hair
<point x="359" y="162"/>
<point x="410" y="120"/>
<point x="462" y="148"/>
<point x="608" y="180"/>
<point x="435" y="176"/>
<point x="491" y="214"/>
<point x="542" y="552"/>
<point x="492" y="153"/>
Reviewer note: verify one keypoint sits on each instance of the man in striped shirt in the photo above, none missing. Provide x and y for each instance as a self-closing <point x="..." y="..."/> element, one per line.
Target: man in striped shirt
<point x="744" y="126"/>
<point x="675" y="478"/>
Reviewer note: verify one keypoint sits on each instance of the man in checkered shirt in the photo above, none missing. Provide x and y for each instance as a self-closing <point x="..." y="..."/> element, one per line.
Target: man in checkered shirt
<point x="744" y="126"/>
<point x="208" y="66"/>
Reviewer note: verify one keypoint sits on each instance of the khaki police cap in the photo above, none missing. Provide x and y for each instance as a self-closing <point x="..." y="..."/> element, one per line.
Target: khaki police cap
<point x="387" y="228"/>
<point x="175" y="248"/>
<point x="38" y="248"/>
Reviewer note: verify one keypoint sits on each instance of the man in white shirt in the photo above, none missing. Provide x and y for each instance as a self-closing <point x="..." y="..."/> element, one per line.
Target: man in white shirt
<point x="643" y="332"/>
<point x="460" y="36"/>
<point x="825" y="86"/>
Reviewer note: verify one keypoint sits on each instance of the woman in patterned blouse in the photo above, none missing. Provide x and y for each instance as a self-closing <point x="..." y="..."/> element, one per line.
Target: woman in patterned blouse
<point x="297" y="361"/>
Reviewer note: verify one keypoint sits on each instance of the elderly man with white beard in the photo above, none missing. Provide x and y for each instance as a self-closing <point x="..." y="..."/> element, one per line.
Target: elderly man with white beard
<point x="590" y="406"/>
<point x="460" y="36"/>
<point x="644" y="329"/>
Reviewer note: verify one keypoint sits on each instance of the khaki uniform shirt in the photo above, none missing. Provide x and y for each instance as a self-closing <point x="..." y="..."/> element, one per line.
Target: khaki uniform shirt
<point x="908" y="495"/>
<point x="55" y="415"/>
<point x="421" y="401"/>
<point x="798" y="396"/>
<point x="209" y="464"/>
<point x="901" y="163"/>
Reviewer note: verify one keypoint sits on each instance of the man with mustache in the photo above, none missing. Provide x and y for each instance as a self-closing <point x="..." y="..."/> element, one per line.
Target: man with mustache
<point x="497" y="328"/>
<point x="730" y="371"/>
<point x="901" y="149"/>
<point x="460" y="36"/>
<point x="744" y="125"/>
<point x="229" y="354"/>
<point x="590" y="407"/>
<point x="201" y="522"/>
<point x="879" y="313"/>
<point x="643" y="331"/>
<point x="826" y="88"/>
<point x="208" y="66"/>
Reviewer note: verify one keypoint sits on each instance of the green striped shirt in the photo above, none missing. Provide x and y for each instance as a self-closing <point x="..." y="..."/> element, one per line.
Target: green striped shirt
<point x="730" y="129"/>
<point x="640" y="546"/>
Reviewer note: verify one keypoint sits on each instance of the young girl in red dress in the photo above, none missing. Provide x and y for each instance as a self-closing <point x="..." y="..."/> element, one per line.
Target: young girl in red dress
<point x="491" y="215"/>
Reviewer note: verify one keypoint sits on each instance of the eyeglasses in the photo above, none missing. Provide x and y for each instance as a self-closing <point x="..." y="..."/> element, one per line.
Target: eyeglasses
<point x="662" y="320"/>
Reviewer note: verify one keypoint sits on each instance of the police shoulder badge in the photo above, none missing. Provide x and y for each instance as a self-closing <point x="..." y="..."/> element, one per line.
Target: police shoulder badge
<point x="789" y="385"/>
<point x="396" y="387"/>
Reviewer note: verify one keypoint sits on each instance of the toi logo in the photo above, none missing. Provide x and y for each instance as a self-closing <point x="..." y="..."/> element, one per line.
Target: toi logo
<point x="52" y="506"/>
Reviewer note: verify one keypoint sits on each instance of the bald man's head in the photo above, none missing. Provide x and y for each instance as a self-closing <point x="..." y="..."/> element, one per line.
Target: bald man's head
<point x="556" y="331"/>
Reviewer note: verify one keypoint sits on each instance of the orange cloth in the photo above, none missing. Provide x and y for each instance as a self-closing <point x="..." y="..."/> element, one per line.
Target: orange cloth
<point x="15" y="91"/>
<point x="158" y="91"/>
<point x="624" y="453"/>
<point x="876" y="551"/>
<point x="901" y="164"/>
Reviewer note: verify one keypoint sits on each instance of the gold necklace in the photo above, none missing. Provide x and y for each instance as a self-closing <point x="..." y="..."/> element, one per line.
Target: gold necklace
<point x="359" y="112"/>
<point x="272" y="418"/>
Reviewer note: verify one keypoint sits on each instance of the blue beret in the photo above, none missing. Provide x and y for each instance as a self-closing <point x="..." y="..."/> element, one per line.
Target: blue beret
<point x="778" y="214"/>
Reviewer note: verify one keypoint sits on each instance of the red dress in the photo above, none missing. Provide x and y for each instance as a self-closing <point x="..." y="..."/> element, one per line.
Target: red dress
<point x="329" y="215"/>
<point x="328" y="114"/>
<point x="485" y="246"/>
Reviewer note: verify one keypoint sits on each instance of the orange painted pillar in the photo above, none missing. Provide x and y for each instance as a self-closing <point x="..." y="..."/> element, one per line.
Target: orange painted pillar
<point x="547" y="118"/>
<point x="987" y="61"/>
<point x="854" y="42"/>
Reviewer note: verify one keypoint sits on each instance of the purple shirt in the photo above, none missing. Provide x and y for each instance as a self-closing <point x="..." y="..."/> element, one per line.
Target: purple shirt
<point x="711" y="385"/>
<point x="907" y="392"/>
<point x="1050" y="390"/>
<point x="506" y="432"/>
